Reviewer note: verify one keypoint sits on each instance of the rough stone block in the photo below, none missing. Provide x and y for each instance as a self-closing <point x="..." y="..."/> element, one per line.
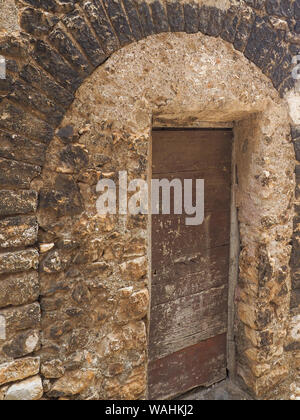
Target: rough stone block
<point x="47" y="5"/>
<point x="52" y="263"/>
<point x="73" y="158"/>
<point x="295" y="132"/>
<point x="12" y="66"/>
<point x="283" y="70"/>
<point x="295" y="301"/>
<point x="273" y="7"/>
<point x="231" y="20"/>
<point x="52" y="62"/>
<point x="66" y="47"/>
<point x="191" y="17"/>
<point x="17" y="202"/>
<point x="175" y="16"/>
<point x="85" y="38"/>
<point x="254" y="318"/>
<point x="260" y="43"/>
<point x="297" y="148"/>
<point x="28" y="390"/>
<point x="286" y="86"/>
<point x="211" y="20"/>
<point x="261" y="386"/>
<point x="73" y="383"/>
<point x="35" y="22"/>
<point x="6" y="85"/>
<point x="134" y="269"/>
<point x="134" y="306"/>
<point x="18" y="231"/>
<point x="13" y="46"/>
<point x="66" y="134"/>
<point x="145" y="18"/>
<point x="13" y="262"/>
<point x="20" y="122"/>
<point x="159" y="17"/>
<point x="283" y="8"/>
<point x="256" y="4"/>
<point x="37" y="78"/>
<point x="53" y="369"/>
<point x="133" y="19"/>
<point x="243" y="31"/>
<point x="19" y="289"/>
<point x="132" y="388"/>
<point x="22" y="344"/>
<point x="15" y="174"/>
<point x="19" y="369"/>
<point x="22" y="318"/>
<point x="260" y="338"/>
<point x="28" y="96"/>
<point x="119" y="21"/>
<point x="101" y="25"/>
<point x="64" y="201"/>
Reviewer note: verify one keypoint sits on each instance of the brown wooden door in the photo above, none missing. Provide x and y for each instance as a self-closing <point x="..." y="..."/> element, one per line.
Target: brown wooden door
<point x="190" y="264"/>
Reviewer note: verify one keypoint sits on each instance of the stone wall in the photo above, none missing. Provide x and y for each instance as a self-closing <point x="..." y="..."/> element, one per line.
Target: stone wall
<point x="74" y="288"/>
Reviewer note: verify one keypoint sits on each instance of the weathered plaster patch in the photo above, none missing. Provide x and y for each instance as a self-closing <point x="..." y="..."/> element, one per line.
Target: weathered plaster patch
<point x="8" y="16"/>
<point x="203" y="78"/>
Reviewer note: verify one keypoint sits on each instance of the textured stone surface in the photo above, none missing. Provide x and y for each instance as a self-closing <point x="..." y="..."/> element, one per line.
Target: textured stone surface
<point x="85" y="38"/>
<point x="28" y="390"/>
<point x="53" y="369"/>
<point x="41" y="80"/>
<point x="54" y="64"/>
<point x="13" y="262"/>
<point x="66" y="47"/>
<point x="35" y="22"/>
<point x="22" y="318"/>
<point x="18" y="231"/>
<point x="120" y="305"/>
<point x="18" y="121"/>
<point x="29" y="96"/>
<point x="18" y="289"/>
<point x="22" y="344"/>
<point x="8" y="16"/>
<point x="101" y="25"/>
<point x="94" y="276"/>
<point x="15" y="174"/>
<point x="17" y="202"/>
<point x="21" y="149"/>
<point x="119" y="21"/>
<point x="72" y="383"/>
<point x="19" y="369"/>
<point x="145" y="18"/>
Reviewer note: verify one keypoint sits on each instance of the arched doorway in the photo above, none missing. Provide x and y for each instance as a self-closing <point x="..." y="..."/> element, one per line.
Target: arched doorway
<point x="83" y="314"/>
<point x="176" y="81"/>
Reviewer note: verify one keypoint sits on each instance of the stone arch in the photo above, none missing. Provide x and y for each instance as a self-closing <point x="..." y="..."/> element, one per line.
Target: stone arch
<point x="68" y="40"/>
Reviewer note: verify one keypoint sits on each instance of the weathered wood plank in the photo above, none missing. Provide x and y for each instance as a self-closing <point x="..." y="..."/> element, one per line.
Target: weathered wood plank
<point x="200" y="365"/>
<point x="216" y="186"/>
<point x="185" y="321"/>
<point x="179" y="150"/>
<point x="171" y="238"/>
<point x="190" y="275"/>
